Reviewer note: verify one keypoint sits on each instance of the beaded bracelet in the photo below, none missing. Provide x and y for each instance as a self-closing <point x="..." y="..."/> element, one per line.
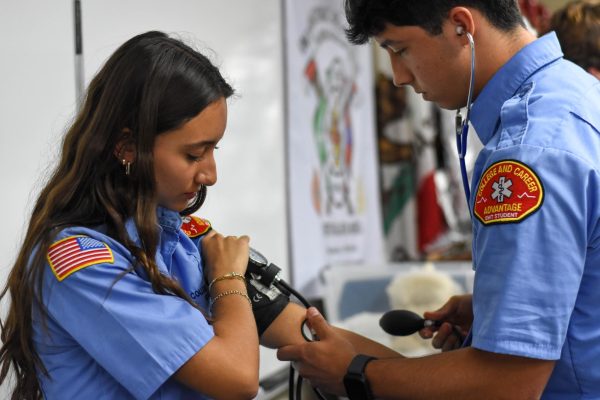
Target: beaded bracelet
<point x="227" y="293"/>
<point x="230" y="275"/>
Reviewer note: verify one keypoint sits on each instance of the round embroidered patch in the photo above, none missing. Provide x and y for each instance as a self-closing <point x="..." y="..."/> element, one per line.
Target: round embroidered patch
<point x="194" y="226"/>
<point x="508" y="191"/>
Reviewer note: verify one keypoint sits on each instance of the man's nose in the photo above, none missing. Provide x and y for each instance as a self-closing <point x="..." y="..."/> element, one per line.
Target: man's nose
<point x="402" y="75"/>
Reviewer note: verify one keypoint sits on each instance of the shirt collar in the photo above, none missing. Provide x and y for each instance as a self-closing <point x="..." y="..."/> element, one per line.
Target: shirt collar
<point x="167" y="219"/>
<point x="508" y="79"/>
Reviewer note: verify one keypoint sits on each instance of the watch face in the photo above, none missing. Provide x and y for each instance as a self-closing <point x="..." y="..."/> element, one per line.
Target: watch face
<point x="257" y="258"/>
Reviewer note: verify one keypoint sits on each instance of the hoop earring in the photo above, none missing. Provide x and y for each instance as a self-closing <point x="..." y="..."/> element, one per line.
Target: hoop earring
<point x="127" y="166"/>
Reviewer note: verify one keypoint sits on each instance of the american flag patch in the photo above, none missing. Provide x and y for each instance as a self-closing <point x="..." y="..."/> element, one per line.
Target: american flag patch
<point x="76" y="252"/>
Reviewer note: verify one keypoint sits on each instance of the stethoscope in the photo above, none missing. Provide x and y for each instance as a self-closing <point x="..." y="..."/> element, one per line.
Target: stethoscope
<point x="462" y="131"/>
<point x="462" y="126"/>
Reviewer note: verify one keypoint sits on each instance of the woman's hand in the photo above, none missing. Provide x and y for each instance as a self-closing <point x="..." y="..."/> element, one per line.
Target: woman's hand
<point x="224" y="254"/>
<point x="227" y="366"/>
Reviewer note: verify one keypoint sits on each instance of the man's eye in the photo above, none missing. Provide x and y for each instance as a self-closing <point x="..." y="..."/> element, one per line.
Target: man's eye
<point x="395" y="50"/>
<point x="192" y="157"/>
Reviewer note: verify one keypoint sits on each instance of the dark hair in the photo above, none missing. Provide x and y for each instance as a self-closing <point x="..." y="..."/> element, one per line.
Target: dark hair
<point x="577" y="26"/>
<point x="150" y="85"/>
<point x="367" y="18"/>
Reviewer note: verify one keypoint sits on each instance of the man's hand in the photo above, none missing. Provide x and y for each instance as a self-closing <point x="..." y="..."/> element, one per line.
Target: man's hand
<point x="457" y="315"/>
<point x="323" y="362"/>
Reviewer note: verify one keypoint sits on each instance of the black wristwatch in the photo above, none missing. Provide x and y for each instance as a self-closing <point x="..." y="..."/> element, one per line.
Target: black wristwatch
<point x="355" y="381"/>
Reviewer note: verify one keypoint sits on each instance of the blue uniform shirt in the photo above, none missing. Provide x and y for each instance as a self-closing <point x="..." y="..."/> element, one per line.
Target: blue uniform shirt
<point x="109" y="335"/>
<point x="536" y="208"/>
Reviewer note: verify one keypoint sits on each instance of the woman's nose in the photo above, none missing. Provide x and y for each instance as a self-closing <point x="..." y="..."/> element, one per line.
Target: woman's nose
<point x="207" y="174"/>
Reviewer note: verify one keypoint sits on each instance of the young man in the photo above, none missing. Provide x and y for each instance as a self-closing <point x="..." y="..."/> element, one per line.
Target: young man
<point x="533" y="316"/>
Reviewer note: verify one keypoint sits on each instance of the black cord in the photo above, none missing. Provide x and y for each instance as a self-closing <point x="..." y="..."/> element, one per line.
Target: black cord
<point x="291" y="383"/>
<point x="299" y="388"/>
<point x="284" y="287"/>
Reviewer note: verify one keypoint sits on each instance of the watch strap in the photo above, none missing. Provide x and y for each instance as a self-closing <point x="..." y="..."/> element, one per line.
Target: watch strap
<point x="355" y="381"/>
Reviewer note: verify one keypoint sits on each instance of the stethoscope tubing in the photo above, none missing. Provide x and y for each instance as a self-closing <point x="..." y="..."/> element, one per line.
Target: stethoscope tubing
<point x="462" y="126"/>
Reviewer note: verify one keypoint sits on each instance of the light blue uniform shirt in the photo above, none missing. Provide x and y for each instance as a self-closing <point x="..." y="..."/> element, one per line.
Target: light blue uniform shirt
<point x="112" y="337"/>
<point x="537" y="279"/>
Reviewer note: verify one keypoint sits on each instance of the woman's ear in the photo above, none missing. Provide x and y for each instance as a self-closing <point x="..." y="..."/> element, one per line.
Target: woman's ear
<point x="125" y="148"/>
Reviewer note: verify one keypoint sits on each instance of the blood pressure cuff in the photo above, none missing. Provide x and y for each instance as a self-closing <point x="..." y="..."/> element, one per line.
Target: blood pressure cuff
<point x="267" y="303"/>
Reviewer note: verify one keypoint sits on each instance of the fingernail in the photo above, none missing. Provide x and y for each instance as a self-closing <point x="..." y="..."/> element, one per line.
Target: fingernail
<point x="313" y="312"/>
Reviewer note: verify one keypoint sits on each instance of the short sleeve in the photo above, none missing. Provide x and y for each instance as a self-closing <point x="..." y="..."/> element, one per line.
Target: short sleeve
<point x="528" y="270"/>
<point x="139" y="337"/>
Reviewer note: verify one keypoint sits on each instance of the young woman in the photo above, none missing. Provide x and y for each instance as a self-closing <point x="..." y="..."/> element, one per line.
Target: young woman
<point x="117" y="291"/>
<point x="113" y="294"/>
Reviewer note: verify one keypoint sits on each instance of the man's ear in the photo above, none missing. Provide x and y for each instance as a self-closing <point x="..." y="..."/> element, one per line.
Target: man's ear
<point x="125" y="148"/>
<point x="462" y="18"/>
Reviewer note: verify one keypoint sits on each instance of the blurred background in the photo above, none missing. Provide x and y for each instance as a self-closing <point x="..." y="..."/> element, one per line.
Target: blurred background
<point x="363" y="211"/>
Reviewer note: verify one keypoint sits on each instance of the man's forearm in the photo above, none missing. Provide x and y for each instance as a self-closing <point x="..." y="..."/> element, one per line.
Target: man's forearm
<point x="367" y="346"/>
<point x="461" y="374"/>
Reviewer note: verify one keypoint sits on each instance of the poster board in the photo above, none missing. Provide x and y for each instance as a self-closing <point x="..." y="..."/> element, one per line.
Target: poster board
<point x="333" y="194"/>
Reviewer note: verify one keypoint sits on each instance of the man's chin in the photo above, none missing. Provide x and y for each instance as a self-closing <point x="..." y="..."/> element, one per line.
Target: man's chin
<point x="446" y="105"/>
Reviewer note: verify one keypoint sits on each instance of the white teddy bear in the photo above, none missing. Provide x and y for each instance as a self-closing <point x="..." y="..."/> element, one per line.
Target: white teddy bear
<point x="419" y="290"/>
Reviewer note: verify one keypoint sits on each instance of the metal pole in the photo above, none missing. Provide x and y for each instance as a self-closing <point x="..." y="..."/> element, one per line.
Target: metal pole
<point x="79" y="77"/>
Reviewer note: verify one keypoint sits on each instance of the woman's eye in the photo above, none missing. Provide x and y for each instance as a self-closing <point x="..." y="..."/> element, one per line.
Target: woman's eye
<point x="196" y="158"/>
<point x="193" y="158"/>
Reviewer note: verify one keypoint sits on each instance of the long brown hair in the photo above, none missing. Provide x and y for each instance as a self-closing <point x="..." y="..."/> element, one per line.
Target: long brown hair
<point x="150" y="85"/>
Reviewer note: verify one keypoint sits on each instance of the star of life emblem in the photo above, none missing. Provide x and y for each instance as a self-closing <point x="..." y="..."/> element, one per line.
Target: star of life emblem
<point x="501" y="189"/>
<point x="508" y="191"/>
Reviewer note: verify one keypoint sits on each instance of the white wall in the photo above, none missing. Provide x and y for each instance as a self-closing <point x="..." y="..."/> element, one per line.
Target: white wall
<point x="37" y="95"/>
<point x="37" y="98"/>
<point x="244" y="39"/>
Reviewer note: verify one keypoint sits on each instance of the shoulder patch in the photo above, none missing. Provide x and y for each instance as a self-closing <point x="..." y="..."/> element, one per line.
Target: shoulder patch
<point x="194" y="226"/>
<point x="509" y="191"/>
<point x="76" y="252"/>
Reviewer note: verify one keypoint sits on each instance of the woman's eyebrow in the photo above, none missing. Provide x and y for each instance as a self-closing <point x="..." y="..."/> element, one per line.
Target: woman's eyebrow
<point x="202" y="143"/>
